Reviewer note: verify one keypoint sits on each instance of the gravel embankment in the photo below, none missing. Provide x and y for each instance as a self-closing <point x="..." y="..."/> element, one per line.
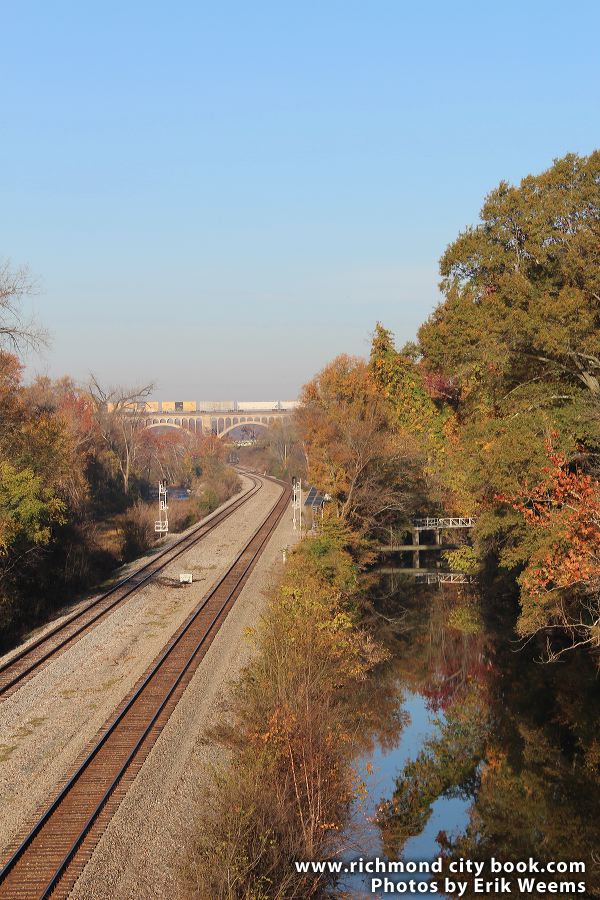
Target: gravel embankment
<point x="143" y="850"/>
<point x="46" y="724"/>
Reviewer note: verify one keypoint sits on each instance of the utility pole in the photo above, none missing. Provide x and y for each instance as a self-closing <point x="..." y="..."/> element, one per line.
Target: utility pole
<point x="161" y="526"/>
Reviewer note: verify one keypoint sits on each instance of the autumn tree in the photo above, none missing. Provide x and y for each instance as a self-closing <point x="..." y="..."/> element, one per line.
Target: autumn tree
<point x="70" y="406"/>
<point x="420" y="400"/>
<point x="422" y="404"/>
<point x="11" y="402"/>
<point x="175" y="455"/>
<point x="282" y="441"/>
<point x="560" y="584"/>
<point x="119" y="427"/>
<point x="517" y="337"/>
<point x="368" y="471"/>
<point x="517" y="331"/>
<point x="34" y="441"/>
<point x="43" y="489"/>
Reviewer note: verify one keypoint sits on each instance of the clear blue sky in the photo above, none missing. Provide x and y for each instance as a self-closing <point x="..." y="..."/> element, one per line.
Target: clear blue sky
<point x="222" y="196"/>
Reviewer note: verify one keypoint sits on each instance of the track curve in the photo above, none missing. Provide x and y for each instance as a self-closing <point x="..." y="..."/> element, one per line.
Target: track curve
<point x="23" y="665"/>
<point x="54" y="852"/>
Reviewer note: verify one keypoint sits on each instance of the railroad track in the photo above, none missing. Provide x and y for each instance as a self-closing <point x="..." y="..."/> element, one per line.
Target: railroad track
<point x="54" y="852"/>
<point x="25" y="664"/>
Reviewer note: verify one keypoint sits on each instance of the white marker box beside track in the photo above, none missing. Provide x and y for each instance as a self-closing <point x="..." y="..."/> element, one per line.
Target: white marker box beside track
<point x="185" y="578"/>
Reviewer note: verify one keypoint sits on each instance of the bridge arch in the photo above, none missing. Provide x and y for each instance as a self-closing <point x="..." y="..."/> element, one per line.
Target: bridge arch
<point x="163" y="424"/>
<point x="207" y="423"/>
<point x="248" y="422"/>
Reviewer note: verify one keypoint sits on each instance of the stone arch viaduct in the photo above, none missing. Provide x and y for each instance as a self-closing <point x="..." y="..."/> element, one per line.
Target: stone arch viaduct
<point x="219" y="418"/>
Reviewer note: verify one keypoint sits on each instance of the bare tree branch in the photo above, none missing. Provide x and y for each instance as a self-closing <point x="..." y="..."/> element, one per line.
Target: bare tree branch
<point x="118" y="424"/>
<point x="18" y="332"/>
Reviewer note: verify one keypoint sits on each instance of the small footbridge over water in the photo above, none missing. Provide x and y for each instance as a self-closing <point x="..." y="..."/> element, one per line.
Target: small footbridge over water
<point x="435" y="525"/>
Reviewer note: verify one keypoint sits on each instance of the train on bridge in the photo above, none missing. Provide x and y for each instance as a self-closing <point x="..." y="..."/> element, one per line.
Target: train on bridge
<point x="218" y="417"/>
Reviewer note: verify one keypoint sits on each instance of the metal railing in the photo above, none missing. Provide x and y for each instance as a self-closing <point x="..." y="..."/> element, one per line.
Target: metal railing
<point x="445" y="522"/>
<point x="445" y="578"/>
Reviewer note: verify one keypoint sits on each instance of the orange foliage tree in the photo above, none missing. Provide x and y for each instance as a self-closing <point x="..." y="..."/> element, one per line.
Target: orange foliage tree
<point x="561" y="581"/>
<point x="369" y="471"/>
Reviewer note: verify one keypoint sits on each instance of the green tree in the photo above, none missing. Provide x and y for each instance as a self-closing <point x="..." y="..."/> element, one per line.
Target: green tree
<point x="421" y="407"/>
<point x="522" y="291"/>
<point x="518" y="331"/>
<point x="404" y="384"/>
<point x="28" y="509"/>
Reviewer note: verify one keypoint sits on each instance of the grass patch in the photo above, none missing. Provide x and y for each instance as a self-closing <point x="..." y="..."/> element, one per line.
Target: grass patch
<point x="107" y="685"/>
<point x="22" y="732"/>
<point x="6" y="751"/>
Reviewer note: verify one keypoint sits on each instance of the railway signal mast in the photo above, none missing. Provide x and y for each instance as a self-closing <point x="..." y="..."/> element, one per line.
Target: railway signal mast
<point x="161" y="526"/>
<point x="297" y="502"/>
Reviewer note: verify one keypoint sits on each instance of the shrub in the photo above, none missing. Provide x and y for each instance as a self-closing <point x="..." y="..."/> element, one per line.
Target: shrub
<point x="289" y="784"/>
<point x="137" y="529"/>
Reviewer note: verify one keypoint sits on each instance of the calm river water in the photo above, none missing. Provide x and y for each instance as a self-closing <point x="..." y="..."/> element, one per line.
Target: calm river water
<point x="481" y="749"/>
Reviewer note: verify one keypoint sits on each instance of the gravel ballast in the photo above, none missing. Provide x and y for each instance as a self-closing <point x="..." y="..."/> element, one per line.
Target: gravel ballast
<point x="47" y="723"/>
<point x="143" y="850"/>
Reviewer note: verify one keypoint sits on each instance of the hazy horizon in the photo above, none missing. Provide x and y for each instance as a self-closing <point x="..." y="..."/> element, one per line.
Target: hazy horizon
<point x="221" y="199"/>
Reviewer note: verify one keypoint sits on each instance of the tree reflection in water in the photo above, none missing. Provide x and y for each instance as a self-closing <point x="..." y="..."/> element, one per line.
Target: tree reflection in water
<point x="517" y="738"/>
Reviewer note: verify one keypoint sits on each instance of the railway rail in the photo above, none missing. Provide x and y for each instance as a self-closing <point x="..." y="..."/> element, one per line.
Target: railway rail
<point x="50" y="857"/>
<point x="25" y="664"/>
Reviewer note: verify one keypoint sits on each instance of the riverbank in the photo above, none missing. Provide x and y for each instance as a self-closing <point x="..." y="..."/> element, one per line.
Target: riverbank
<point x="434" y="734"/>
<point x="294" y="724"/>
